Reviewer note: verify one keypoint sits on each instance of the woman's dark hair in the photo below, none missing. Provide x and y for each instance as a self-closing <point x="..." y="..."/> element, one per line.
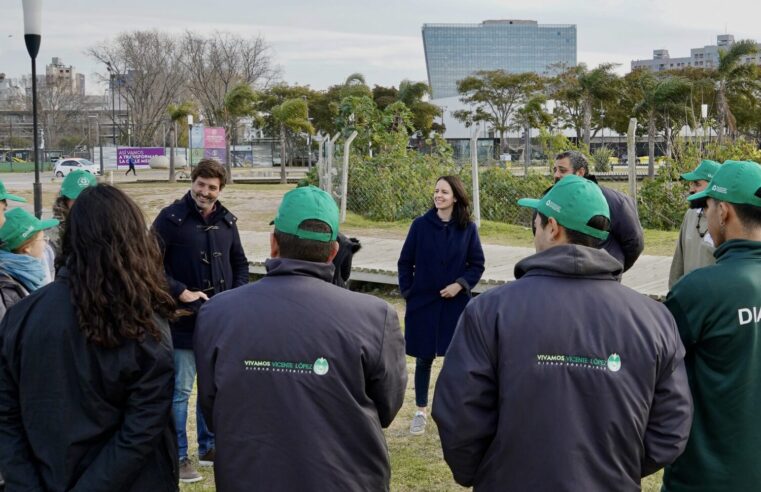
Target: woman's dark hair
<point x="210" y="169"/>
<point x="575" y="237"/>
<point x="115" y="268"/>
<point x="461" y="211"/>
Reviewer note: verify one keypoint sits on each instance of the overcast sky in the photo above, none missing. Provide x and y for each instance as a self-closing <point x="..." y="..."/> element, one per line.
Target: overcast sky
<point x="320" y="43"/>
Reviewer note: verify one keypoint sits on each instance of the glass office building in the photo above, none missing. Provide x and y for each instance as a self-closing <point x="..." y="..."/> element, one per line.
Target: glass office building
<point x="455" y="51"/>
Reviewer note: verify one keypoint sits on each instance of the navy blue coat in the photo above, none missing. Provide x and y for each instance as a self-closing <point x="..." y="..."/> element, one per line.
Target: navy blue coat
<point x="436" y="254"/>
<point x="199" y="254"/>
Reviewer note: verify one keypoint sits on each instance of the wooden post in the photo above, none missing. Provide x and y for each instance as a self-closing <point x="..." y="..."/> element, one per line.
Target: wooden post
<point x="474" y="176"/>
<point x="631" y="137"/>
<point x="345" y="175"/>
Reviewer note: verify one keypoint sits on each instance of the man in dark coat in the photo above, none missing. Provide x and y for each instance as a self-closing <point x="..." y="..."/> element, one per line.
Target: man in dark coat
<point x="626" y="240"/>
<point x="203" y="256"/>
<point x="296" y="376"/>
<point x="541" y="392"/>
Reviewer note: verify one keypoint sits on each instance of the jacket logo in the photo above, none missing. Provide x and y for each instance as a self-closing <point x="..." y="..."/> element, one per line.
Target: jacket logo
<point x="749" y="315"/>
<point x="321" y="366"/>
<point x="614" y="362"/>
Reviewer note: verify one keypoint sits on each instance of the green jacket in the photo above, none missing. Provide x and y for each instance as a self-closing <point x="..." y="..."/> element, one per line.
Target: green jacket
<point x="718" y="313"/>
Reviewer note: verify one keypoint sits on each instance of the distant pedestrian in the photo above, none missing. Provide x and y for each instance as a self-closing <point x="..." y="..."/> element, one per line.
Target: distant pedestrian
<point x="203" y="256"/>
<point x="86" y="362"/>
<point x="297" y="376"/>
<point x="440" y="262"/>
<point x="131" y="162"/>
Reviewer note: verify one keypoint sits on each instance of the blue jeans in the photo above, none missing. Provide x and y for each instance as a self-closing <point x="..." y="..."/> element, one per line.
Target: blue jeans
<point x="184" y="377"/>
<point x="422" y="380"/>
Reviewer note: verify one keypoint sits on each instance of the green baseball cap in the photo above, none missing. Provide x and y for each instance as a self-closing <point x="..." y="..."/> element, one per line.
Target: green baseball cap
<point x="75" y="182"/>
<point x="705" y="171"/>
<point x="4" y="195"/>
<point x="307" y="203"/>
<point x="735" y="182"/>
<point x="573" y="201"/>
<point x="20" y="226"/>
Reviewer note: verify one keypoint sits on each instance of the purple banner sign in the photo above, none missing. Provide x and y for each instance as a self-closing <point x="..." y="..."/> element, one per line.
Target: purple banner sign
<point x="141" y="155"/>
<point x="218" y="154"/>
<point x="214" y="138"/>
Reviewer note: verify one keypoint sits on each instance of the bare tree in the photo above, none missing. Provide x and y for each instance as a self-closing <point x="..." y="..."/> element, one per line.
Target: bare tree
<point x="216" y="64"/>
<point x="61" y="108"/>
<point x="147" y="65"/>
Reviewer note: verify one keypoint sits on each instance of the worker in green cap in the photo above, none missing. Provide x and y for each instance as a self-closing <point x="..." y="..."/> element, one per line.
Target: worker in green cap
<point x="718" y="311"/>
<point x="694" y="248"/>
<point x="71" y="187"/>
<point x="564" y="379"/>
<point x="4" y="197"/>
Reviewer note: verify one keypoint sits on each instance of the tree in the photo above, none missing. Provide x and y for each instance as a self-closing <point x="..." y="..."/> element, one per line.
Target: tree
<point x="291" y="116"/>
<point x="495" y="95"/>
<point x="239" y="102"/>
<point x="219" y="64"/>
<point x="656" y="96"/>
<point x="734" y="78"/>
<point x="177" y="112"/>
<point x="580" y="93"/>
<point x="147" y="62"/>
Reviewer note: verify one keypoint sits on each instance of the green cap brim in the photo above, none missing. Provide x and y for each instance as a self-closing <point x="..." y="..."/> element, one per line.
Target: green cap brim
<point x="699" y="195"/>
<point x="691" y="176"/>
<point x="47" y="224"/>
<point x="529" y="202"/>
<point x="14" y="198"/>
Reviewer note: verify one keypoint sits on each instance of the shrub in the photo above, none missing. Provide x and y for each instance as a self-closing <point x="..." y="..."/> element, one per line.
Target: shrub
<point x="500" y="191"/>
<point x="601" y="159"/>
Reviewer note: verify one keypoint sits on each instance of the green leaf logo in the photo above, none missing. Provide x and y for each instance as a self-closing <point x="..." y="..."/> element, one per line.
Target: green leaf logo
<point x="321" y="366"/>
<point x="614" y="362"/>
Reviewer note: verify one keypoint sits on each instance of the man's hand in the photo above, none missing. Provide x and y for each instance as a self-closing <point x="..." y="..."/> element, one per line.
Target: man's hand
<point x="189" y="296"/>
<point x="450" y="290"/>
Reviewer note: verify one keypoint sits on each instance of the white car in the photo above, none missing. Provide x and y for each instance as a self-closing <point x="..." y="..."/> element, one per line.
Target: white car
<point x="68" y="164"/>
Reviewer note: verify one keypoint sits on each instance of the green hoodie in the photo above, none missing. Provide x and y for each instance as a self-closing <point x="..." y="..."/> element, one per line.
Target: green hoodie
<point x="718" y="312"/>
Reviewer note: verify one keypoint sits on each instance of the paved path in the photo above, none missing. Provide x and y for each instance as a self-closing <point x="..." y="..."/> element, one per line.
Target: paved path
<point x="376" y="262"/>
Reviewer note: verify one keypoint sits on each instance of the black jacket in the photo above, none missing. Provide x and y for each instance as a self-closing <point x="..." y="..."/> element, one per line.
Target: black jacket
<point x="199" y="254"/>
<point x="297" y="377"/>
<point x="347" y="248"/>
<point x="564" y="380"/>
<point x="74" y="416"/>
<point x="626" y="240"/>
<point x="11" y="292"/>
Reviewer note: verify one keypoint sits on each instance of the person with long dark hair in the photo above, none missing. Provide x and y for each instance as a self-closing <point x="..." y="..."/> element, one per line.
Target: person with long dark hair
<point x="86" y="371"/>
<point x="441" y="261"/>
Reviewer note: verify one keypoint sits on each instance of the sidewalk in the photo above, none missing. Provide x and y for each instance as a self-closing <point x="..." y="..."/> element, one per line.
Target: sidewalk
<point x="376" y="262"/>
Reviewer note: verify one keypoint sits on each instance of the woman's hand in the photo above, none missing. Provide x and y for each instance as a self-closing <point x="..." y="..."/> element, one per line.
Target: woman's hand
<point x="450" y="290"/>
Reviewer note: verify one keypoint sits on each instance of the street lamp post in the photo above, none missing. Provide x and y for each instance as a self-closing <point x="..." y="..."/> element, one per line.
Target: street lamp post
<point x="100" y="143"/>
<point x="190" y="139"/>
<point x="33" y="38"/>
<point x="112" y="75"/>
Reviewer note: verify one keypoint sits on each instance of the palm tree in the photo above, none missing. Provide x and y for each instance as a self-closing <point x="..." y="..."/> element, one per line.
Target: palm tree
<point x="596" y="86"/>
<point x="290" y="115"/>
<point x="177" y="112"/>
<point x="658" y="95"/>
<point x="733" y="76"/>
<point x="239" y="102"/>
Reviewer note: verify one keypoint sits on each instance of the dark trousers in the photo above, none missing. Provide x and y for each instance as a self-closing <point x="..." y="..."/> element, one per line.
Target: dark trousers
<point x="131" y="168"/>
<point x="422" y="380"/>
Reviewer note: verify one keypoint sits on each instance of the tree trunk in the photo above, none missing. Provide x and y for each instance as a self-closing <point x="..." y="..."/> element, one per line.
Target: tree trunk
<point x="651" y="146"/>
<point x="283" y="179"/>
<point x="722" y="103"/>
<point x="172" y="146"/>
<point x="228" y="162"/>
<point x="587" y="122"/>
<point x="669" y="137"/>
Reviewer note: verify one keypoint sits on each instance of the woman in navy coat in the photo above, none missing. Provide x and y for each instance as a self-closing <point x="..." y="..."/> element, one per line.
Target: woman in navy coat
<point x="441" y="261"/>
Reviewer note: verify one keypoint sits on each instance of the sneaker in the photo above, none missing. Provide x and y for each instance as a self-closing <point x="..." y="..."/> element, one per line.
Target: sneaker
<point x="206" y="459"/>
<point x="418" y="424"/>
<point x="188" y="474"/>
